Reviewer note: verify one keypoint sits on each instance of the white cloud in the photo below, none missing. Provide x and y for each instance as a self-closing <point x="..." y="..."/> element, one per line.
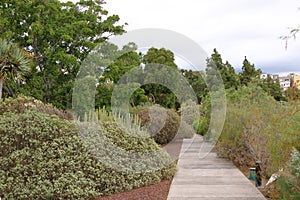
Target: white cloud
<point x="237" y="28"/>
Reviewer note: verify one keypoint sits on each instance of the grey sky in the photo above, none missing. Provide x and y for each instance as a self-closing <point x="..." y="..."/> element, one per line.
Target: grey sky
<point x="237" y="28"/>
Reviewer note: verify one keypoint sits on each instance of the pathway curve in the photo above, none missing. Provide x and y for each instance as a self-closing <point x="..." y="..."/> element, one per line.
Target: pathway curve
<point x="209" y="178"/>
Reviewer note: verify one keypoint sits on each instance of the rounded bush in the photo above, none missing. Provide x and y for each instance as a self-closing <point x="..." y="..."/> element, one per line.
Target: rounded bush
<point x="42" y="157"/>
<point x="23" y="103"/>
<point x="170" y="126"/>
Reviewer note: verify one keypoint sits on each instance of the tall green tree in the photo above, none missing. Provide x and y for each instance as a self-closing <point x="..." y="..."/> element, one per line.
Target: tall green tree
<point x="160" y="56"/>
<point x="120" y="66"/>
<point x="13" y="62"/>
<point x="213" y="76"/>
<point x="121" y="61"/>
<point x="272" y="87"/>
<point x="229" y="76"/>
<point x="196" y="80"/>
<point x="59" y="36"/>
<point x="248" y="72"/>
<point x="160" y="67"/>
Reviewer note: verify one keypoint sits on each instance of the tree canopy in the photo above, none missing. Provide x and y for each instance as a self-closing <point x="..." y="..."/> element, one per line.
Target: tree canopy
<point x="248" y="72"/>
<point x="59" y="36"/>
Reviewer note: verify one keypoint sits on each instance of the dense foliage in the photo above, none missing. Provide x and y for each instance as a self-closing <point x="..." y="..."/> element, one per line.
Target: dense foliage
<point x="14" y="62"/>
<point x="42" y="157"/>
<point x="168" y="124"/>
<point x="259" y="128"/>
<point x="289" y="183"/>
<point x="58" y="36"/>
<point x="23" y="103"/>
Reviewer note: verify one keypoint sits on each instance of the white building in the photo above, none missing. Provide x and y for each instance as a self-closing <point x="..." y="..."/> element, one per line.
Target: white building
<point x="285" y="82"/>
<point x="273" y="76"/>
<point x="263" y="76"/>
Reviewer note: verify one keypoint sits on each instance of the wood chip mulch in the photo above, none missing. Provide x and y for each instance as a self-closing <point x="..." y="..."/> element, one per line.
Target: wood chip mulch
<point x="153" y="192"/>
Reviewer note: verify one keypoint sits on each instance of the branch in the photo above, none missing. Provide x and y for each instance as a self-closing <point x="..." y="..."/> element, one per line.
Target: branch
<point x="292" y="34"/>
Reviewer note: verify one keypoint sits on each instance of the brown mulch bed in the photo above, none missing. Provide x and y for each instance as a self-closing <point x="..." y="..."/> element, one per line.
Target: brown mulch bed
<point x="153" y="192"/>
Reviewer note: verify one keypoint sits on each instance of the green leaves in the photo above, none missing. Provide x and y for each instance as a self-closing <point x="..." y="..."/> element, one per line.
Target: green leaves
<point x="289" y="182"/>
<point x="259" y="128"/>
<point x="42" y="157"/>
<point x="13" y="62"/>
<point x="248" y="72"/>
<point x="170" y="126"/>
<point x="59" y="36"/>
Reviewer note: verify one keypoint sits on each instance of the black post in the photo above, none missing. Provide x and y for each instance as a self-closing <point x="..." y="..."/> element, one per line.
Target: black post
<point x="258" y="181"/>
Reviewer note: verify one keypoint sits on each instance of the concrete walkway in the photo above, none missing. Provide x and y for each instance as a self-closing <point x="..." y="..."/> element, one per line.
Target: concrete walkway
<point x="208" y="178"/>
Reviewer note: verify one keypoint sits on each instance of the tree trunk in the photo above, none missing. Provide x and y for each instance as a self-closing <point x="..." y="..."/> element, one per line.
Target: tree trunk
<point x="9" y="91"/>
<point x="1" y="86"/>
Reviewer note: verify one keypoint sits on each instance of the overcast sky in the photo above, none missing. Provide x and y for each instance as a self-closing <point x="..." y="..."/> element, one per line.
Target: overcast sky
<point x="237" y="28"/>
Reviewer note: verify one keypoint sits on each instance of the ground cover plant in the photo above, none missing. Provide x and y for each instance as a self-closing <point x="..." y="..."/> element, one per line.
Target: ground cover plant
<point x="42" y="157"/>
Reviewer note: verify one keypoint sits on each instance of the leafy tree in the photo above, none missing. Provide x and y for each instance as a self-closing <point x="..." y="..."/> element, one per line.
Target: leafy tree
<point x="213" y="76"/>
<point x="160" y="67"/>
<point x="120" y="66"/>
<point x="13" y="62"/>
<point x="201" y="124"/>
<point x="248" y="72"/>
<point x="160" y="56"/>
<point x="229" y="77"/>
<point x="103" y="95"/>
<point x="59" y="36"/>
<point x="120" y="61"/>
<point x="84" y="96"/>
<point x="272" y="87"/>
<point x="196" y="80"/>
<point x="138" y="98"/>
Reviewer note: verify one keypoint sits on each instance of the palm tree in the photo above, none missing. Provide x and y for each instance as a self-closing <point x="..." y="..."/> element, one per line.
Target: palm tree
<point x="13" y="62"/>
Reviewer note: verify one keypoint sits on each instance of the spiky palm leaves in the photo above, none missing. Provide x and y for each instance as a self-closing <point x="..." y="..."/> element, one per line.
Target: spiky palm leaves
<point x="13" y="62"/>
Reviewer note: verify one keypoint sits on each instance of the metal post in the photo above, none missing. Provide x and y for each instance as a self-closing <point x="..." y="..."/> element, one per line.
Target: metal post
<point x="258" y="181"/>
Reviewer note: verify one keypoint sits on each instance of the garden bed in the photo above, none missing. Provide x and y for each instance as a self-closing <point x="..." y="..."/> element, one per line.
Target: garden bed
<point x="153" y="192"/>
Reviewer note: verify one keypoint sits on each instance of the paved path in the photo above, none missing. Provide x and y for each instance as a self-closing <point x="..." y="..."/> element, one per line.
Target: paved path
<point x="209" y="178"/>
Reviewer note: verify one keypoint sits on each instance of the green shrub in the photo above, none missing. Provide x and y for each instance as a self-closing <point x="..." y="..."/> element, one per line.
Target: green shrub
<point x="259" y="128"/>
<point x="201" y="125"/>
<point x="169" y="128"/>
<point x="189" y="112"/>
<point x="42" y="157"/>
<point x="289" y="182"/>
<point x="23" y="103"/>
<point x="185" y="131"/>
